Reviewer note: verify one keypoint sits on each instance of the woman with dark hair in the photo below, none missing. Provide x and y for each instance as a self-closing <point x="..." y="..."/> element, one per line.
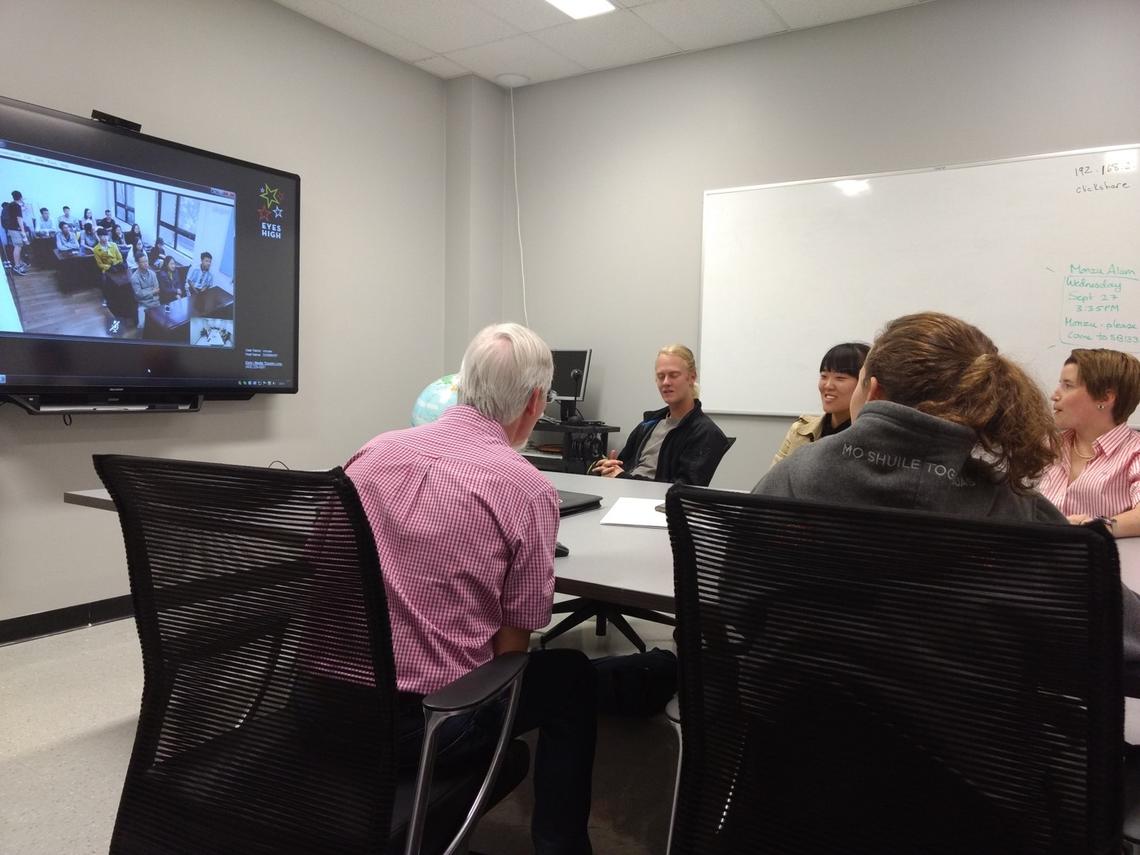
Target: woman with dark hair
<point x="157" y="253"/>
<point x="135" y="238"/>
<point x="1097" y="473"/>
<point x="168" y="287"/>
<point x="940" y="421"/>
<point x="838" y="373"/>
<point x="88" y="218"/>
<point x="117" y="236"/>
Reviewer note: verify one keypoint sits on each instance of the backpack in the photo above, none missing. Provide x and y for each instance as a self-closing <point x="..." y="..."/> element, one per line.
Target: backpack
<point x="640" y="684"/>
<point x="9" y="212"/>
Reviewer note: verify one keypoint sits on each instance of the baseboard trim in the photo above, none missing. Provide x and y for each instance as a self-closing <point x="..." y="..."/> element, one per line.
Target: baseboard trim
<point x="59" y="620"/>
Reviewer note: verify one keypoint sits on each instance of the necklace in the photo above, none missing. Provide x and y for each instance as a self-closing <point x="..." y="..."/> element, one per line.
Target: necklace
<point x="1077" y="452"/>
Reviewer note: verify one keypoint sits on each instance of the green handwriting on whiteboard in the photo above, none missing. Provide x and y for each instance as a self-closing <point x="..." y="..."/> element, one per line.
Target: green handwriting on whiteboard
<point x="1100" y="305"/>
<point x="1111" y="270"/>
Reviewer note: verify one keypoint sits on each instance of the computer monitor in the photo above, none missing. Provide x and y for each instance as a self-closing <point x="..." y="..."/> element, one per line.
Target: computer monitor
<point x="571" y="370"/>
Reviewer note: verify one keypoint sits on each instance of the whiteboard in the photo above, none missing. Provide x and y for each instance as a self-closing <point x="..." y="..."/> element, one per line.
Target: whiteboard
<point x="1040" y="252"/>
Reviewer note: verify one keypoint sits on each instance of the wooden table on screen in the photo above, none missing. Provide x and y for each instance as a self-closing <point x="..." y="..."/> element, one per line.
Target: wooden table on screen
<point x="76" y="270"/>
<point x="170" y="322"/>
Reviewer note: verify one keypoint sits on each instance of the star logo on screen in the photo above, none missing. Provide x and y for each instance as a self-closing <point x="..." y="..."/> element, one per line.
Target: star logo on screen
<point x="271" y="196"/>
<point x="271" y="211"/>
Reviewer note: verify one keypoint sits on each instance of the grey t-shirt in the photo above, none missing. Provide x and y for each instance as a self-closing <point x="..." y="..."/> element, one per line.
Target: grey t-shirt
<point x="647" y="463"/>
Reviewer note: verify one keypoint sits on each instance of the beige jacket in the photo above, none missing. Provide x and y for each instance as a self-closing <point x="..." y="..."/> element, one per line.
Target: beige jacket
<point x="805" y="429"/>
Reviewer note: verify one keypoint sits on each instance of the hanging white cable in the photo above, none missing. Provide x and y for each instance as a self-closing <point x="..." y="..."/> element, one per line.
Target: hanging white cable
<point x="518" y="211"/>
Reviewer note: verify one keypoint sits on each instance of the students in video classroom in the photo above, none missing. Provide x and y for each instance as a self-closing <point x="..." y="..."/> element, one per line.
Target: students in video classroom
<point x="107" y="254"/>
<point x="88" y="219"/>
<point x="134" y="237"/>
<point x="200" y="278"/>
<point x="940" y="421"/>
<point x="16" y="230"/>
<point x="66" y="217"/>
<point x="65" y="240"/>
<point x="156" y="253"/>
<point x="44" y="227"/>
<point x="87" y="238"/>
<point x="107" y="221"/>
<point x="117" y="236"/>
<point x="168" y="287"/>
<point x="677" y="443"/>
<point x="1097" y="473"/>
<point x="838" y="373"/>
<point x="144" y="283"/>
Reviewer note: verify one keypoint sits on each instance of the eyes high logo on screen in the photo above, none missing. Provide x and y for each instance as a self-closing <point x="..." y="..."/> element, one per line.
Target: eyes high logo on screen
<point x="271" y="212"/>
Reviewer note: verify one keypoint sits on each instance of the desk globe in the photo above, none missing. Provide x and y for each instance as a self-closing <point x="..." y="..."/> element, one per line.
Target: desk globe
<point x="433" y="400"/>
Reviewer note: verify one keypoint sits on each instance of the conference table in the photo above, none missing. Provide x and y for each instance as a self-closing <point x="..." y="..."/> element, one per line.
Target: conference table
<point x="624" y="565"/>
<point x="633" y="566"/>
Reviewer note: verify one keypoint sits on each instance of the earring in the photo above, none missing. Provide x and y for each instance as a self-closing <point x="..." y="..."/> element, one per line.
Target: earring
<point x="1100" y="406"/>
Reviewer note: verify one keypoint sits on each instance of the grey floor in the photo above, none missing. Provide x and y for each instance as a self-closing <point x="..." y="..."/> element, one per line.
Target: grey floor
<point x="69" y="704"/>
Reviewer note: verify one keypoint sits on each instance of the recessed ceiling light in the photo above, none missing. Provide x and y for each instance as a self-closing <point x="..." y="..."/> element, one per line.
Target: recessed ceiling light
<point x="853" y="187"/>
<point x="512" y="81"/>
<point x="578" y="9"/>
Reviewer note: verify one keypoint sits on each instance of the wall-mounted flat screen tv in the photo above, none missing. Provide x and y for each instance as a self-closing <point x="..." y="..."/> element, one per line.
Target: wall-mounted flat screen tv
<point x="140" y="269"/>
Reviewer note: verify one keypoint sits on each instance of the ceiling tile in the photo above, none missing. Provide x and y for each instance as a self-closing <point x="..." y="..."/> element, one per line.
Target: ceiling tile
<point x="801" y="13"/>
<point x="630" y="3"/>
<point x="442" y="25"/>
<point x="700" y="24"/>
<point x="363" y="30"/>
<point x="516" y="55"/>
<point x="443" y="67"/>
<point x="527" y="15"/>
<point x="605" y="41"/>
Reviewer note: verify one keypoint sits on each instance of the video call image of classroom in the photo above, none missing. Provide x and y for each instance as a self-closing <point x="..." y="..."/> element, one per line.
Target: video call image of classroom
<point x="94" y="254"/>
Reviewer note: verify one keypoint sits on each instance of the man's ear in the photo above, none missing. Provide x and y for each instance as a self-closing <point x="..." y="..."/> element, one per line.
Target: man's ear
<point x="874" y="390"/>
<point x="537" y="403"/>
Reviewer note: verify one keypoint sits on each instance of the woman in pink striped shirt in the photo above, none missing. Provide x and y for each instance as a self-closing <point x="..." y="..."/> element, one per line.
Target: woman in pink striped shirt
<point x="1098" y="472"/>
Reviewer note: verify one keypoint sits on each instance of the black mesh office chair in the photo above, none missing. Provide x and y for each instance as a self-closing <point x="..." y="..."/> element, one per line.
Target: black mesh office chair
<point x="581" y="609"/>
<point x="268" y="718"/>
<point x="880" y="681"/>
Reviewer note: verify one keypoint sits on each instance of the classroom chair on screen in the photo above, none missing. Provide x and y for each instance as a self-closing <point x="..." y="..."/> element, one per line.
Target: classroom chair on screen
<point x="269" y="698"/>
<point x="862" y="680"/>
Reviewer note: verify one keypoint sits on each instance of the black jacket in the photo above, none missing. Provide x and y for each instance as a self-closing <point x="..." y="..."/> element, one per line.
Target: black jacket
<point x="689" y="454"/>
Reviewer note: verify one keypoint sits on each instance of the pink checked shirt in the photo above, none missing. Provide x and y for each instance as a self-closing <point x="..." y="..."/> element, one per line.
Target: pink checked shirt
<point x="1108" y="485"/>
<point x="465" y="530"/>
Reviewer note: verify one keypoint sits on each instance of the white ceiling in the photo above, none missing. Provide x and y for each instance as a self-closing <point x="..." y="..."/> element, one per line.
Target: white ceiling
<point x="453" y="38"/>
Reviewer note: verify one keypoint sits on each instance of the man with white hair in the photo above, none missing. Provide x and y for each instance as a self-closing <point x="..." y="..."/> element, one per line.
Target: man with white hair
<point x="465" y="530"/>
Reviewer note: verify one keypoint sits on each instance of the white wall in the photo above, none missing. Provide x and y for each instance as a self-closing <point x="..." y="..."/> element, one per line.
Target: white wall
<point x="146" y="212"/>
<point x="613" y="165"/>
<point x="475" y="145"/>
<point x="44" y="187"/>
<point x="213" y="227"/>
<point x="364" y="132"/>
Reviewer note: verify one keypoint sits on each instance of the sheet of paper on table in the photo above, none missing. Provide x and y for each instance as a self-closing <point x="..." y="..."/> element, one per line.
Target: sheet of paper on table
<point x="639" y="512"/>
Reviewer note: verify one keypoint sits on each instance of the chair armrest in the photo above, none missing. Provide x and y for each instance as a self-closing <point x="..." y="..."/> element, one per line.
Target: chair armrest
<point x="477" y="687"/>
<point x="483" y="685"/>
